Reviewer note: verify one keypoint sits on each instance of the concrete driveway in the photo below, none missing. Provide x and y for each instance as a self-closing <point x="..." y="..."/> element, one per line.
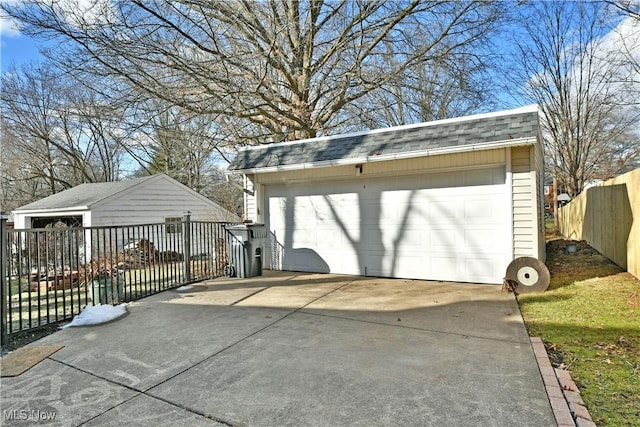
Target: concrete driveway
<point x="295" y="349"/>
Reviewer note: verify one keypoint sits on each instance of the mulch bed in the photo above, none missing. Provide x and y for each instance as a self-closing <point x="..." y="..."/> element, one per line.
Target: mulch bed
<point x="20" y="339"/>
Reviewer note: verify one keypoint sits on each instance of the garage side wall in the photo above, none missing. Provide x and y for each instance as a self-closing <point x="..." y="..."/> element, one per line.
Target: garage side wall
<point x="538" y="152"/>
<point x="526" y="203"/>
<point x="250" y="199"/>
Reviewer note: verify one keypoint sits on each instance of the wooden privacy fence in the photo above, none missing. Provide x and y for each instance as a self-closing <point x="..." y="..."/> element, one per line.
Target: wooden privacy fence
<point x="608" y="218"/>
<point x="50" y="274"/>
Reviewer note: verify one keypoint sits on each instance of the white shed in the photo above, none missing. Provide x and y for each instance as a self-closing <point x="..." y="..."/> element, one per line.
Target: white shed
<point x="151" y="199"/>
<point x="450" y="200"/>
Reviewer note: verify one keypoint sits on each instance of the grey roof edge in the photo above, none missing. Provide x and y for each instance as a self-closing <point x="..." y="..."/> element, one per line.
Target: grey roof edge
<point x="140" y="182"/>
<point x="88" y="206"/>
<point x="44" y="210"/>
<point x="533" y="108"/>
<point x="397" y="156"/>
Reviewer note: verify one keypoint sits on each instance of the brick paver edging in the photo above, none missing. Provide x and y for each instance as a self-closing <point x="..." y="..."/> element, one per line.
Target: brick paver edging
<point x="568" y="407"/>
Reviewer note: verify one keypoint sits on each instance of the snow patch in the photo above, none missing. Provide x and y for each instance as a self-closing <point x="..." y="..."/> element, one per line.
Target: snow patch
<point x="97" y="314"/>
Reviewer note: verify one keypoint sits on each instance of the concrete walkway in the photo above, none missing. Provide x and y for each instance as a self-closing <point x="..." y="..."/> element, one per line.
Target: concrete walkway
<point x="294" y="349"/>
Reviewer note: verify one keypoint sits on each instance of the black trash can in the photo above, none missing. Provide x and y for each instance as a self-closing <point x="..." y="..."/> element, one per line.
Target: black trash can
<point x="246" y="246"/>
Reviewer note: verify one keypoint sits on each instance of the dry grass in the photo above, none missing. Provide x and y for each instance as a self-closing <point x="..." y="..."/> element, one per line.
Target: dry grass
<point x="589" y="319"/>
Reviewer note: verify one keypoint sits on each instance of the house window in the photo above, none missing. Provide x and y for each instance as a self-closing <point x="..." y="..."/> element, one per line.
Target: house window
<point x="173" y="224"/>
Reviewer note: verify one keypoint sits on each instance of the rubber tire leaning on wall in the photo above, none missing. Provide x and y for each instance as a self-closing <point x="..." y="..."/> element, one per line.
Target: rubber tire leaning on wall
<point x="530" y="274"/>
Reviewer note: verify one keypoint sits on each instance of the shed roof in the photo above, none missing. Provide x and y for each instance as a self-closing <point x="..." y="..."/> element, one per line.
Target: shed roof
<point x="84" y="195"/>
<point x="483" y="131"/>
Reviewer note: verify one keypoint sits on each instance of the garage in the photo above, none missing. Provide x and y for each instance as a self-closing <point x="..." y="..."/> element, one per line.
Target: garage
<point x="451" y="201"/>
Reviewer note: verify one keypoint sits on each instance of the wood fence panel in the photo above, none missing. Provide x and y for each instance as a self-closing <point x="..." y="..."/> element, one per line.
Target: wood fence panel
<point x="608" y="217"/>
<point x="632" y="181"/>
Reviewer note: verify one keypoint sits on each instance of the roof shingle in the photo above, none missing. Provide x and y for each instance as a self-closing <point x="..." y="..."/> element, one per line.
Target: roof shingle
<point x="84" y="195"/>
<point x="482" y="129"/>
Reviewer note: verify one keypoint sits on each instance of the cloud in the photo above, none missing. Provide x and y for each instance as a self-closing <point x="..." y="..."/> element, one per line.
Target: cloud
<point x="626" y="37"/>
<point x="8" y="26"/>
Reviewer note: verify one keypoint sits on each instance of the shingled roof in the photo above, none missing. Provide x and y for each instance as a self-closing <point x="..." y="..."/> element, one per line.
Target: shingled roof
<point x="484" y="131"/>
<point x="84" y="195"/>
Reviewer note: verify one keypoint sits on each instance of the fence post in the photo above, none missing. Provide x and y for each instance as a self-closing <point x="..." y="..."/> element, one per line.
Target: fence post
<point x="187" y="246"/>
<point x="4" y="283"/>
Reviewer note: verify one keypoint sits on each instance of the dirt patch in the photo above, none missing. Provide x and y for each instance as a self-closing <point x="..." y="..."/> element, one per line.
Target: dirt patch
<point x="559" y="248"/>
<point x="585" y="263"/>
<point x="20" y="339"/>
<point x="555" y="356"/>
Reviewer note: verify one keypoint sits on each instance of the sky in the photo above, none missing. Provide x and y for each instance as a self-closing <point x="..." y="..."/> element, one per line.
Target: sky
<point x="15" y="47"/>
<point x="18" y="49"/>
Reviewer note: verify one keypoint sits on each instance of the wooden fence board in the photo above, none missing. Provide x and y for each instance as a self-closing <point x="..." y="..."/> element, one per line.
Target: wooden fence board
<point x="608" y="217"/>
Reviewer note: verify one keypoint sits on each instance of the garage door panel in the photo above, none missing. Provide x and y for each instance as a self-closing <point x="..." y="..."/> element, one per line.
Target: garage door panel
<point x="349" y="212"/>
<point x="445" y="226"/>
<point x="478" y="209"/>
<point x="442" y="243"/>
<point x="398" y="213"/>
<point x="442" y="210"/>
<point x="305" y="237"/>
<point x="412" y="266"/>
<point x="481" y="241"/>
<point x="443" y="267"/>
<point x="327" y="237"/>
<point x="441" y="180"/>
<point x="483" y="268"/>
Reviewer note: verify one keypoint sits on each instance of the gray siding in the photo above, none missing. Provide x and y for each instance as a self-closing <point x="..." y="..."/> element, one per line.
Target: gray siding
<point x="538" y="151"/>
<point x="526" y="196"/>
<point x="154" y="200"/>
<point x="250" y="202"/>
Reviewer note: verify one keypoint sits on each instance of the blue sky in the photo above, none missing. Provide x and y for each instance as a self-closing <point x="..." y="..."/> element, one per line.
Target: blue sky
<point x="17" y="49"/>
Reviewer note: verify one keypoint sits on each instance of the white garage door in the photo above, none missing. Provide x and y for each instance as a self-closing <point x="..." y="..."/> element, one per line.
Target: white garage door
<point x="439" y="226"/>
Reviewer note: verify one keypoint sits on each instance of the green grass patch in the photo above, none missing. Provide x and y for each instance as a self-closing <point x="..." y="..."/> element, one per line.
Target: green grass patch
<point x="551" y="232"/>
<point x="589" y="320"/>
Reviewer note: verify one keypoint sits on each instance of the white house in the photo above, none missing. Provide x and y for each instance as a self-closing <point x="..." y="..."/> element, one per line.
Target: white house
<point x="150" y="199"/>
<point x="152" y="208"/>
<point x="451" y="200"/>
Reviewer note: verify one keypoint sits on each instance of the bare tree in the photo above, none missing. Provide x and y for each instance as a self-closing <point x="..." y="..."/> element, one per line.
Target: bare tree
<point x="275" y="70"/>
<point x="17" y="187"/>
<point x="576" y="81"/>
<point x="628" y="40"/>
<point x="60" y="134"/>
<point x="456" y="85"/>
<point x="177" y="142"/>
<point x="628" y="7"/>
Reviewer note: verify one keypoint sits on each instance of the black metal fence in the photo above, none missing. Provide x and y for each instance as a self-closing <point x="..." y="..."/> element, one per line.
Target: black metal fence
<point x="50" y="274"/>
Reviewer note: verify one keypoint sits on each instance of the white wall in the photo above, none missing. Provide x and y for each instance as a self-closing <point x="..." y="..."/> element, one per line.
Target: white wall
<point x="154" y="200"/>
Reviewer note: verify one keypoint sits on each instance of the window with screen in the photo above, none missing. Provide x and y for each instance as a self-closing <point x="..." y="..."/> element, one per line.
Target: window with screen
<point x="173" y="224"/>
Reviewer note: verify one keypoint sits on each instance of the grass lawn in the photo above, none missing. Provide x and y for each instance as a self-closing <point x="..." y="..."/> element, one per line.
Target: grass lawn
<point x="589" y="319"/>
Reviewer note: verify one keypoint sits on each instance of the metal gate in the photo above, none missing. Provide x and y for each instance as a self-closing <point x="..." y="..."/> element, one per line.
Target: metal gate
<point x="50" y="274"/>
